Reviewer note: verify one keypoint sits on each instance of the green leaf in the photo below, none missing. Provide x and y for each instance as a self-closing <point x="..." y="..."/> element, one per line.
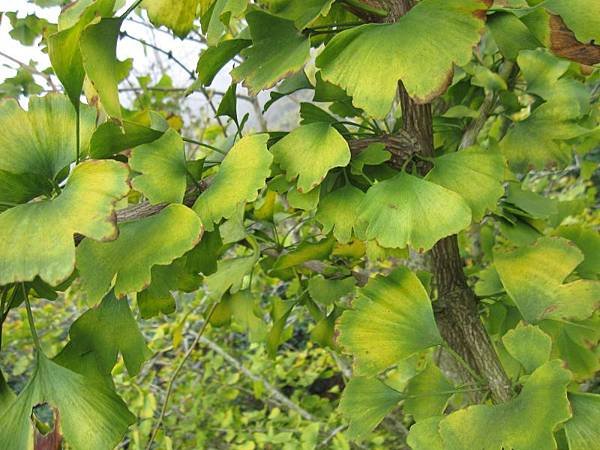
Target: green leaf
<point x="365" y="402"/>
<point x="37" y="144"/>
<point x="339" y="210"/>
<point x="328" y="292"/>
<point x="588" y="241"/>
<point x="126" y="262"/>
<point x="305" y="251"/>
<point x="391" y="320"/>
<point x="63" y="46"/>
<point x="278" y="50"/>
<point x="581" y="16"/>
<point x="406" y="210"/>
<point x="424" y="435"/>
<point x="529" y="345"/>
<point x="215" y="21"/>
<point x="427" y="394"/>
<point x="474" y="173"/>
<point x="111" y="138"/>
<point x="373" y="155"/>
<point x="582" y="430"/>
<point x="89" y="414"/>
<point x="214" y="59"/>
<point x="310" y="152"/>
<point x="527" y="422"/>
<point x="533" y="276"/>
<point x="162" y="166"/>
<point x="100" y="334"/>
<point x="229" y="276"/>
<point x="241" y="175"/>
<point x="302" y="13"/>
<point x="420" y="49"/>
<point x="178" y="16"/>
<point x="98" y="46"/>
<point x="7" y="396"/>
<point x="511" y="35"/>
<point x="36" y="239"/>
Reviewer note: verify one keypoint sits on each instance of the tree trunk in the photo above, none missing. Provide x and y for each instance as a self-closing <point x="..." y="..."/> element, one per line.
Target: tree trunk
<point x="456" y="307"/>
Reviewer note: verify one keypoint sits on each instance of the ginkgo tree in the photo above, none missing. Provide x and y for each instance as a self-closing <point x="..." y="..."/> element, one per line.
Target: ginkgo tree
<point x="399" y="212"/>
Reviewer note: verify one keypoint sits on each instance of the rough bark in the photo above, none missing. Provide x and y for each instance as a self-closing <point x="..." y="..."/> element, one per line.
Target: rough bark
<point x="456" y="307"/>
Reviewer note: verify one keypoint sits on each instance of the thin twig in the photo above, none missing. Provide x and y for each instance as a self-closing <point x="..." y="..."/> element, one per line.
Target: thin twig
<point x="186" y="356"/>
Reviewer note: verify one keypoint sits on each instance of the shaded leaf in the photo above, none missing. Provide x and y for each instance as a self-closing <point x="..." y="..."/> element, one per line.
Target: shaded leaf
<point x="391" y="319"/>
<point x="126" y="262"/>
<point x="529" y="345"/>
<point x="406" y="210"/>
<point x="427" y="394"/>
<point x="339" y="210"/>
<point x="582" y="430"/>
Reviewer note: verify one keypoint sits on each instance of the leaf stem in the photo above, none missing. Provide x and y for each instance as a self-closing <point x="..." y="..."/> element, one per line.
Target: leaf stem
<point x="202" y="144"/>
<point x="34" y="335"/>
<point x="77" y="136"/>
<point x="186" y="356"/>
<point x="462" y="362"/>
<point x="131" y="8"/>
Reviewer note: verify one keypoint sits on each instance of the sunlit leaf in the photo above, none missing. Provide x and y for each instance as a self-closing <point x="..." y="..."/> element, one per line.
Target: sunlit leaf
<point x="310" y="152"/>
<point x="242" y="173"/>
<point x="162" y="166"/>
<point x="420" y="49"/>
<point x="126" y="262"/>
<point x="533" y="276"/>
<point x="391" y="320"/>
<point x="339" y="210"/>
<point x="178" y="16"/>
<point x="406" y="210"/>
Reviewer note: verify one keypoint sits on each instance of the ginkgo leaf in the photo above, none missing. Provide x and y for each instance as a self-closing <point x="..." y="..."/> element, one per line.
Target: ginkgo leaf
<point x="178" y="16"/>
<point x="327" y="292"/>
<point x="427" y="393"/>
<point x="241" y="175"/>
<point x="127" y="261"/>
<point x="36" y="239"/>
<point x="278" y="50"/>
<point x="214" y="59"/>
<point x="63" y="46"/>
<point x="218" y="16"/>
<point x="302" y="13"/>
<point x="100" y="334"/>
<point x="98" y="45"/>
<point x="527" y="422"/>
<point x="310" y="152"/>
<point x="162" y="166"/>
<point x="407" y="210"/>
<point x="229" y="276"/>
<point x="581" y="16"/>
<point x="373" y="155"/>
<point x="305" y="251"/>
<point x="582" y="430"/>
<point x="365" y="402"/>
<point x="111" y="137"/>
<point x="391" y="319"/>
<point x="529" y="345"/>
<point x="420" y="49"/>
<point x="533" y="277"/>
<point x="89" y="414"/>
<point x="37" y="144"/>
<point x="338" y="211"/>
<point x="588" y="241"/>
<point x="424" y="435"/>
<point x="474" y="173"/>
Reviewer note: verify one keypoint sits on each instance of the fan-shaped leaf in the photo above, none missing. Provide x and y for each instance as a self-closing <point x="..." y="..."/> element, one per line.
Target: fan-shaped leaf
<point x="242" y="173"/>
<point x="474" y="173"/>
<point x="527" y="422"/>
<point x="391" y="319"/>
<point x="178" y="16"/>
<point x="35" y="145"/>
<point x="309" y="152"/>
<point x="533" y="277"/>
<point x="420" y="49"/>
<point x="278" y="50"/>
<point x="427" y="393"/>
<point x="339" y="210"/>
<point x="582" y="430"/>
<point x="163" y="176"/>
<point x="127" y="261"/>
<point x="406" y="210"/>
<point x="529" y="345"/>
<point x="581" y="16"/>
<point x="365" y="402"/>
<point x="36" y="239"/>
<point x="90" y="415"/>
